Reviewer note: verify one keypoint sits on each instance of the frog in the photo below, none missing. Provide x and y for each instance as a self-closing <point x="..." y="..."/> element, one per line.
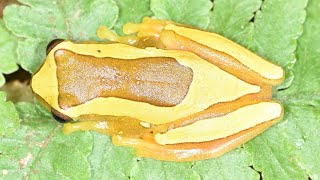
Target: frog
<point x="170" y="91"/>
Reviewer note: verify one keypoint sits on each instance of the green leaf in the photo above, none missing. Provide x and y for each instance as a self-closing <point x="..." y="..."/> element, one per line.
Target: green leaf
<point x="47" y="20"/>
<point x="305" y="137"/>
<point x="234" y="165"/>
<point x="152" y="169"/>
<point x="277" y="27"/>
<point x="107" y="160"/>
<point x="192" y="12"/>
<point x="42" y="21"/>
<point x="305" y="90"/>
<point x="7" y="52"/>
<point x="9" y="118"/>
<point x="38" y="150"/>
<point x="31" y="54"/>
<point x="231" y="18"/>
<point x="303" y="95"/>
<point x="131" y="11"/>
<point x="291" y="148"/>
<point x="273" y="153"/>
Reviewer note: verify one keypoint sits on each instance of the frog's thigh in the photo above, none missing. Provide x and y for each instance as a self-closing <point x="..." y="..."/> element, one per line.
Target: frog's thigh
<point x="147" y="147"/>
<point x="221" y="127"/>
<point x="219" y="109"/>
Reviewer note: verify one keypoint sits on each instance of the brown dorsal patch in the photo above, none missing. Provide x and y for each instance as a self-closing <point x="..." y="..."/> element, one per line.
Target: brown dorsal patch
<point x="159" y="81"/>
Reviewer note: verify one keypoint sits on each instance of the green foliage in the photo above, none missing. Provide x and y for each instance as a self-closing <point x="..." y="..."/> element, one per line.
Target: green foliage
<point x="39" y="22"/>
<point x="234" y="165"/>
<point x="7" y="52"/>
<point x="103" y="162"/>
<point x="305" y="90"/>
<point x="277" y="27"/>
<point x="193" y="12"/>
<point x="231" y="18"/>
<point x="39" y="150"/>
<point x="137" y="10"/>
<point x="9" y="118"/>
<point x="284" y="31"/>
<point x="290" y="149"/>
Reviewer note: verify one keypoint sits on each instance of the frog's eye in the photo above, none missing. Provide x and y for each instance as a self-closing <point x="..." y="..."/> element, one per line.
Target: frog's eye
<point x="59" y="117"/>
<point x="53" y="44"/>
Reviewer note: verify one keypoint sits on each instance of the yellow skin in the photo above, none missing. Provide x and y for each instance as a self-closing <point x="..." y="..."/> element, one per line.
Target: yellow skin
<point x="228" y="101"/>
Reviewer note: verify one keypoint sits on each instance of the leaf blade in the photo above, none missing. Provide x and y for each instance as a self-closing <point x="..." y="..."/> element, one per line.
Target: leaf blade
<point x="231" y="19"/>
<point x="9" y="118"/>
<point x="276" y="42"/>
<point x="8" y="54"/>
<point x="44" y="21"/>
<point x="192" y="12"/>
<point x="296" y="133"/>
<point x="131" y="11"/>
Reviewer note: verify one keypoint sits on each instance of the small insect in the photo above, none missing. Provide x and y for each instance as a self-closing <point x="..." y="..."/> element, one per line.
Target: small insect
<point x="172" y="92"/>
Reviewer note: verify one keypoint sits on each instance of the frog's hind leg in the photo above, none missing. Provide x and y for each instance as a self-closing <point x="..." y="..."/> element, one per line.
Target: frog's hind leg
<point x="183" y="152"/>
<point x="219" y="109"/>
<point x="224" y="60"/>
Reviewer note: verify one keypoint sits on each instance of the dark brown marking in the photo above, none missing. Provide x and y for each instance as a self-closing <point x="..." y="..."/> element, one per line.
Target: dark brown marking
<point x="159" y="81"/>
<point x="53" y="44"/>
<point x="58" y="116"/>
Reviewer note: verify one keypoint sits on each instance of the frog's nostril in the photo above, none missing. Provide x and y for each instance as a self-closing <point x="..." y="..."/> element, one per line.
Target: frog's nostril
<point x="53" y="44"/>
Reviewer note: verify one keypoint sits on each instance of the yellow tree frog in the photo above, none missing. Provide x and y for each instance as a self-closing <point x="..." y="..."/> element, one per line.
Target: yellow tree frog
<point x="172" y="92"/>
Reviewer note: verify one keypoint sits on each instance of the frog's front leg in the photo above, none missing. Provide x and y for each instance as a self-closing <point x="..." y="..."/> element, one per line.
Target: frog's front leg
<point x="149" y="147"/>
<point x="146" y="34"/>
<point x="105" y="33"/>
<point x="110" y="125"/>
